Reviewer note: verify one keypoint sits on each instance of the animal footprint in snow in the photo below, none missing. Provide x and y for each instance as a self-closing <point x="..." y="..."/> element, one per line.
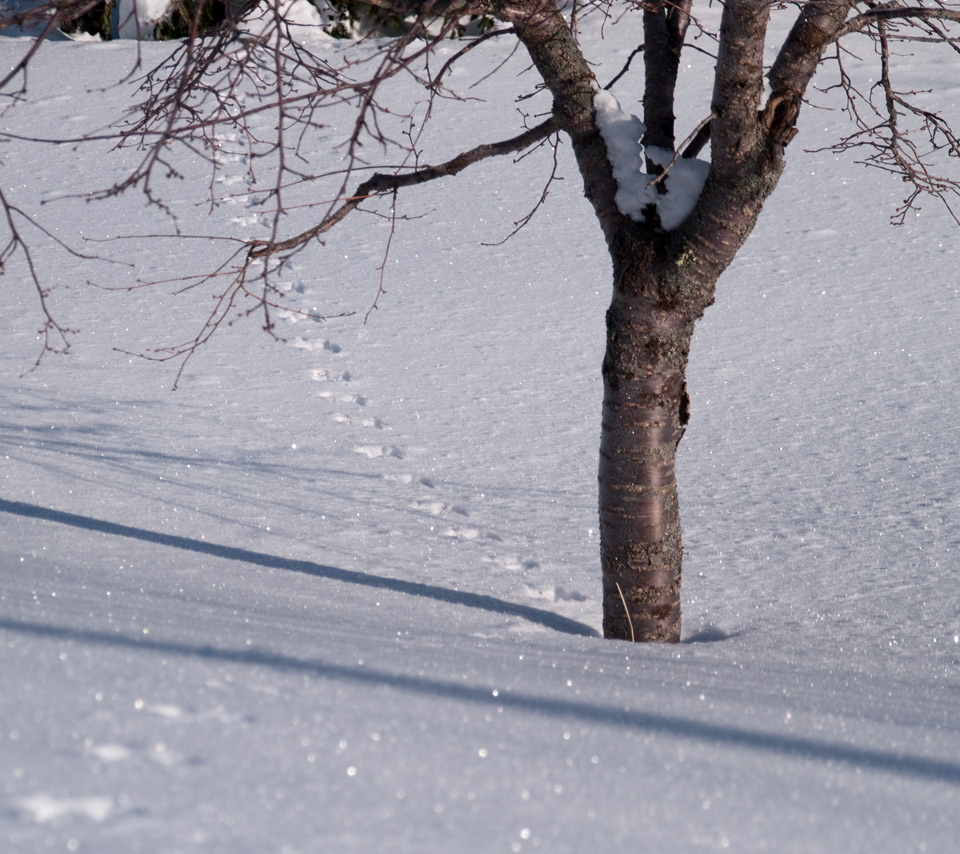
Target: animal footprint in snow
<point x="293" y="316"/>
<point x="223" y="139"/>
<point x="372" y="452"/>
<point x="511" y="562"/>
<point x="164" y="710"/>
<point x="462" y="533"/>
<point x="312" y="346"/>
<point x="163" y="755"/>
<point x="555" y="594"/>
<point x="108" y="752"/>
<point x="434" y="508"/>
<point x="321" y="375"/>
<point x="358" y="399"/>
<point x="45" y="808"/>
<point x="340" y="418"/>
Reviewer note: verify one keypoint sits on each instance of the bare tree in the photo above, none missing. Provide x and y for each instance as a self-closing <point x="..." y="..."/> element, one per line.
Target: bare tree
<point x="672" y="223"/>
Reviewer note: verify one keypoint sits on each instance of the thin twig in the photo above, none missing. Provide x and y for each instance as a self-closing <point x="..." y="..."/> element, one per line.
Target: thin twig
<point x="626" y="67"/>
<point x="381" y="290"/>
<point x="677" y="154"/>
<point x="626" y="610"/>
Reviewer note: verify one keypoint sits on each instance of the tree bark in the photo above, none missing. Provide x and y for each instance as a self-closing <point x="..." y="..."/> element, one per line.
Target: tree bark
<point x="664" y="29"/>
<point x="645" y="410"/>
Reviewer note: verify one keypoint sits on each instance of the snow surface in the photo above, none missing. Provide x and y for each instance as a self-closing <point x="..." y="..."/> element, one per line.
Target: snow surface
<point x="341" y="593"/>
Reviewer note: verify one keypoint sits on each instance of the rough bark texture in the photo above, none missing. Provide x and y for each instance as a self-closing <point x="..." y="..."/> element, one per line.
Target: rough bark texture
<point x="664" y="28"/>
<point x="645" y="410"/>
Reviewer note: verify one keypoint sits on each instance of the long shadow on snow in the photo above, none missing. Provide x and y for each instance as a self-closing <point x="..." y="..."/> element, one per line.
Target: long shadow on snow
<point x="799" y="747"/>
<point x="411" y="588"/>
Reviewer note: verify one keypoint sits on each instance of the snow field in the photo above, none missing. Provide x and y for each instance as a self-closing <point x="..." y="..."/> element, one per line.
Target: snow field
<point x="340" y="592"/>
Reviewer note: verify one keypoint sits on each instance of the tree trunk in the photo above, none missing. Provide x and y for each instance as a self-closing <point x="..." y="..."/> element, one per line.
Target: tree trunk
<point x="664" y="281"/>
<point x="645" y="410"/>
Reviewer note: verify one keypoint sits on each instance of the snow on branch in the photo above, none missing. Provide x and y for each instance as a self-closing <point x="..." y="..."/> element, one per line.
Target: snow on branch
<point x="640" y="191"/>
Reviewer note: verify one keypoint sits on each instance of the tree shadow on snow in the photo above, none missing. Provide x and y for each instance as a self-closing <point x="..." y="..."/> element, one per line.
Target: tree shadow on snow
<point x="548" y="619"/>
<point x="799" y="747"/>
<point x="713" y="634"/>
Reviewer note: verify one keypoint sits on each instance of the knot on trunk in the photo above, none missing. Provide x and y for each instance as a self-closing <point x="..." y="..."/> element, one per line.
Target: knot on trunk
<point x="779" y="118"/>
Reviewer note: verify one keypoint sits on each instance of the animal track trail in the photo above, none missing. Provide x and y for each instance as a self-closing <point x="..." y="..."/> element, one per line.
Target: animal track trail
<point x="324" y="375"/>
<point x="343" y="418"/>
<point x="373" y="452"/>
<point x="226" y="179"/>
<point x="422" y="496"/>
<point x="311" y="346"/>
<point x="435" y="507"/>
<point x="355" y="399"/>
<point x="336" y="382"/>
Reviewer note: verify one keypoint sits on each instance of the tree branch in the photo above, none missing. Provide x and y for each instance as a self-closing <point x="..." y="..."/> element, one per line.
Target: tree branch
<point x="664" y="29"/>
<point x="738" y="87"/>
<point x="890" y="136"/>
<point x="21" y="66"/>
<point x="626" y="67"/>
<point x="892" y="12"/>
<point x="382" y="183"/>
<point x="546" y="35"/>
<point x="797" y="62"/>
